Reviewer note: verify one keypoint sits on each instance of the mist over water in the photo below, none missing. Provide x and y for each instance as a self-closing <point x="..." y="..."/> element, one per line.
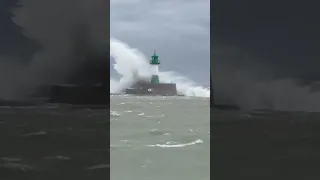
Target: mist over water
<point x="132" y="66"/>
<point x="67" y="31"/>
<point x="253" y="85"/>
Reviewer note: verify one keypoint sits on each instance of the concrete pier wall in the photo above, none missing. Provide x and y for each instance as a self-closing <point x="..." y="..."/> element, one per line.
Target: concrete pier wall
<point x="162" y="89"/>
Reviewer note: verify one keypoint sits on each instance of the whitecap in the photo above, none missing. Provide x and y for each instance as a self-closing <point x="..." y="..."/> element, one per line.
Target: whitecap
<point x="17" y="166"/>
<point x="113" y="146"/>
<point x="99" y="166"/>
<point x="157" y="132"/>
<point x="114" y="114"/>
<point x="58" y="157"/>
<point x="155" y="116"/>
<point x="170" y="145"/>
<point x="9" y="159"/>
<point x="35" y="133"/>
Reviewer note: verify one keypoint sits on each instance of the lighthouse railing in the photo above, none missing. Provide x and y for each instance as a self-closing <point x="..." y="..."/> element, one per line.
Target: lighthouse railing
<point x="151" y="61"/>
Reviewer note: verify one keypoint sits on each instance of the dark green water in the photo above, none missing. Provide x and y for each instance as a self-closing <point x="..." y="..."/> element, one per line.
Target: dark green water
<point x="53" y="142"/>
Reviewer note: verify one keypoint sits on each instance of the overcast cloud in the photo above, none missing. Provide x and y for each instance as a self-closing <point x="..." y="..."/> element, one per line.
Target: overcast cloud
<point x="179" y="30"/>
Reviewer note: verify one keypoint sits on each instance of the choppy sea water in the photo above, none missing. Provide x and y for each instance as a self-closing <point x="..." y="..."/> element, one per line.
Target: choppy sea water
<point x="160" y="138"/>
<point x="54" y="142"/>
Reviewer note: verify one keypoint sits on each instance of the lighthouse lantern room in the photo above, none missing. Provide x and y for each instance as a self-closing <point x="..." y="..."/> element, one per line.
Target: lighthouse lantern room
<point x="154" y="62"/>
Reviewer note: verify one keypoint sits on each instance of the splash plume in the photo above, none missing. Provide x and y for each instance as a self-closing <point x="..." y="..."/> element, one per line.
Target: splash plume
<point x="132" y="65"/>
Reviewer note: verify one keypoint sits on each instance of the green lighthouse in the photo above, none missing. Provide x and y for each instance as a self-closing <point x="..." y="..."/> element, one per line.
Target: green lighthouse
<point x="154" y="62"/>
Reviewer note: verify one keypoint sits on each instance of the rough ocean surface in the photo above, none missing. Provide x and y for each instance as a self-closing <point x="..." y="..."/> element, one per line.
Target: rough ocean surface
<point x="54" y="142"/>
<point x="265" y="145"/>
<point x="160" y="138"/>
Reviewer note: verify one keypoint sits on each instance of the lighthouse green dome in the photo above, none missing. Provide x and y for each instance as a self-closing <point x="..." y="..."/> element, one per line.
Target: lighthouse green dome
<point x="155" y="59"/>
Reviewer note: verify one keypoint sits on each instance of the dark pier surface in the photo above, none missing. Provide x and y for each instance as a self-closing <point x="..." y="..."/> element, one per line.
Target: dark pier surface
<point x="162" y="89"/>
<point x="265" y="145"/>
<point x="54" y="142"/>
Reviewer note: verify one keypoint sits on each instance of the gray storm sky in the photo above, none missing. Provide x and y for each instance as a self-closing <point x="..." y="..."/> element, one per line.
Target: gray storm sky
<point x="178" y="29"/>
